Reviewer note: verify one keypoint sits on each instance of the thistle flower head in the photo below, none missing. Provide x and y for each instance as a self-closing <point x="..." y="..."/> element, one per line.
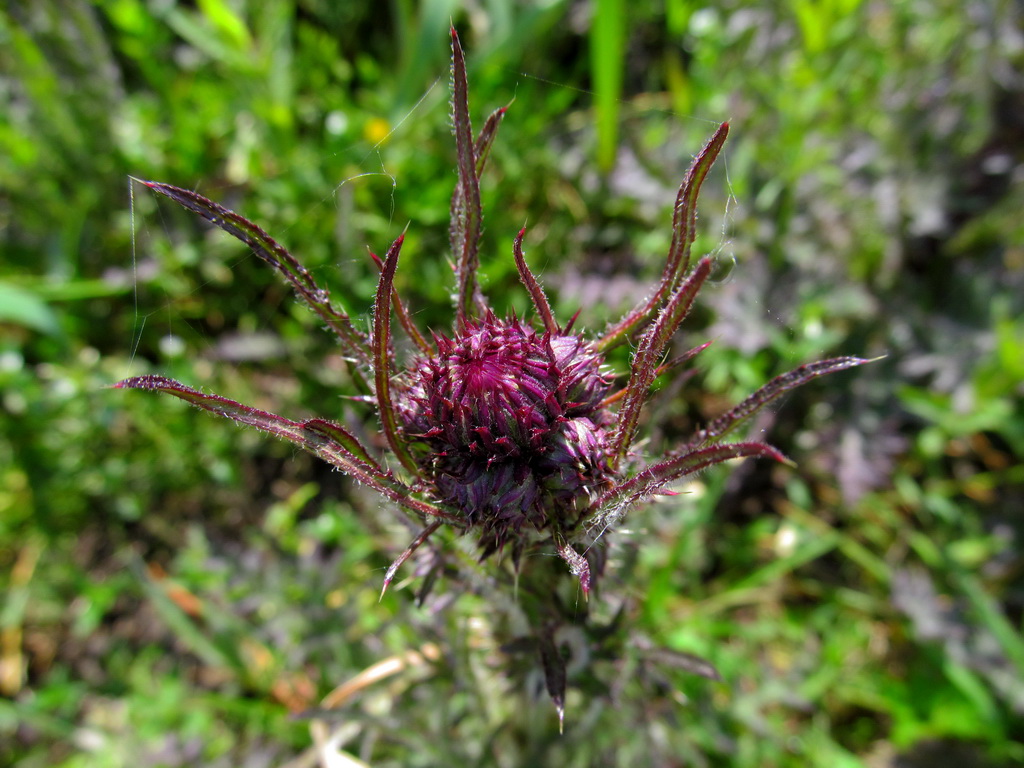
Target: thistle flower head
<point x="513" y="430"/>
<point x="506" y="423"/>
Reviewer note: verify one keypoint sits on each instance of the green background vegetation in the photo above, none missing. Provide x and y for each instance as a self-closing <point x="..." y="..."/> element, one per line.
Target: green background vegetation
<point x="176" y="589"/>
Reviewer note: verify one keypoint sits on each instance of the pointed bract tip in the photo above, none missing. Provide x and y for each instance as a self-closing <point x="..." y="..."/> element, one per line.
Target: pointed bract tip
<point x="771" y="452"/>
<point x="143" y="382"/>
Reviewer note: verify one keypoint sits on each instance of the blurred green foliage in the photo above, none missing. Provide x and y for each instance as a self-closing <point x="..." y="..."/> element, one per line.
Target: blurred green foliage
<point x="174" y="588"/>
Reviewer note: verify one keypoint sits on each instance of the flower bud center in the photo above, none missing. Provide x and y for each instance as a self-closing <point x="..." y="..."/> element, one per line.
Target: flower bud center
<point x="508" y="423"/>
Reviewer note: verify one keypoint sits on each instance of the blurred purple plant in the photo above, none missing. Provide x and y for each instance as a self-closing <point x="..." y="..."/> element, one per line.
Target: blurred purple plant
<point x="506" y="429"/>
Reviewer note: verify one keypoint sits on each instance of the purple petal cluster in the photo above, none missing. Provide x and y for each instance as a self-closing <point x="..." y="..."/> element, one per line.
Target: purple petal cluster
<point x="507" y="424"/>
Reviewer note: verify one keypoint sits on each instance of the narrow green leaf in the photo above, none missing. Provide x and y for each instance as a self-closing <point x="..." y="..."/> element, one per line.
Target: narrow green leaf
<point x="382" y="353"/>
<point x="644" y="366"/>
<point x="467" y="217"/>
<point x="404" y="318"/>
<point x="416" y="544"/>
<point x="215" y="654"/>
<point x="228" y="23"/>
<point x="540" y="300"/>
<point x="264" y="246"/>
<point x="607" y="55"/>
<point x="771" y="391"/>
<point x="19" y="306"/>
<point x="615" y="502"/>
<point x="684" y="231"/>
<point x="314" y="436"/>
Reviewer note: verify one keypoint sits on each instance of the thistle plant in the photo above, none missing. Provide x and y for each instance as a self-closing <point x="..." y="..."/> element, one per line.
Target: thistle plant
<point x="513" y="430"/>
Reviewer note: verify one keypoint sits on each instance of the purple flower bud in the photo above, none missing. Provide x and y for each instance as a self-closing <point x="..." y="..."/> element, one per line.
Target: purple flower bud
<point x="507" y="424"/>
